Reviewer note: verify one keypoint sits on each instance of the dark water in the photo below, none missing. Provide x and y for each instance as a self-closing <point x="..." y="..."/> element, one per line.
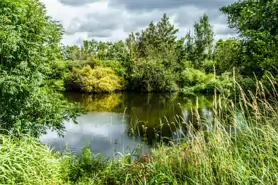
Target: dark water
<point x="124" y="122"/>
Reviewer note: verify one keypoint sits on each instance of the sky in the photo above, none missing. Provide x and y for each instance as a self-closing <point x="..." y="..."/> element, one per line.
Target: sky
<point x="114" y="20"/>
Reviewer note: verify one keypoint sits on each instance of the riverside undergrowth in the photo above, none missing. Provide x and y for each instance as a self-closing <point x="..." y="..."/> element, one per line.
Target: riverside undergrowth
<point x="239" y="147"/>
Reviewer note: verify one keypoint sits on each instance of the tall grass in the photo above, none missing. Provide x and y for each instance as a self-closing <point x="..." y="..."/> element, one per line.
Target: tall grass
<point x="239" y="147"/>
<point x="26" y="161"/>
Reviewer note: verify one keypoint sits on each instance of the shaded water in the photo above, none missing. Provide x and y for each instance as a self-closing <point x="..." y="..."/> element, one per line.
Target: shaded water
<point x="124" y="122"/>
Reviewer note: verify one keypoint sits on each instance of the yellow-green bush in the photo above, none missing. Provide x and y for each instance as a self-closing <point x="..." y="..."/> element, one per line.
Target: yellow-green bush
<point x="99" y="80"/>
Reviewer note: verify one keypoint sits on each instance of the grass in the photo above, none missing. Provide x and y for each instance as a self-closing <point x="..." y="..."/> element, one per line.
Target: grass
<point x="26" y="161"/>
<point x="240" y="147"/>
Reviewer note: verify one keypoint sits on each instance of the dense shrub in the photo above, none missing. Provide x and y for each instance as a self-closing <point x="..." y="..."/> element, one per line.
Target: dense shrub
<point x="195" y="81"/>
<point x="92" y="62"/>
<point x="83" y="164"/>
<point x="191" y="77"/>
<point x="151" y="75"/>
<point x="57" y="73"/>
<point x="116" y="66"/>
<point x="98" y="80"/>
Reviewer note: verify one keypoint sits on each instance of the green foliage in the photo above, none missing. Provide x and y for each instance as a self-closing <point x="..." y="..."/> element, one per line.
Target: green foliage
<point x="31" y="109"/>
<point x="196" y="81"/>
<point x="26" y="161"/>
<point x="199" y="46"/>
<point x="153" y="59"/>
<point x="99" y="80"/>
<point x="85" y="164"/>
<point x="96" y="50"/>
<point x="192" y="77"/>
<point x="157" y="40"/>
<point x="92" y="62"/>
<point x="151" y="75"/>
<point x="257" y="24"/>
<point x="29" y="44"/>
<point x="227" y="55"/>
<point x="27" y="34"/>
<point x="74" y="53"/>
<point x="209" y="66"/>
<point x="116" y="66"/>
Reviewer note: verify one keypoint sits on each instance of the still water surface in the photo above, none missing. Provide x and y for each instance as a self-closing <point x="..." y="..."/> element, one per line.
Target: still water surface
<point x="123" y="122"/>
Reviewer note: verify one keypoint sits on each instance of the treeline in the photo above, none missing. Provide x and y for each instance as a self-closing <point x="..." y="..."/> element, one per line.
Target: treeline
<point x="154" y="59"/>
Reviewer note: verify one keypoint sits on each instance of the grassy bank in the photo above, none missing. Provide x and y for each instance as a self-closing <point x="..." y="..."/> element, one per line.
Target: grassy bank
<point x="239" y="147"/>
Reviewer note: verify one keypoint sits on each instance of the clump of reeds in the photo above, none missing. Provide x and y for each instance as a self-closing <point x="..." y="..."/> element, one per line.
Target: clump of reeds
<point x="25" y="161"/>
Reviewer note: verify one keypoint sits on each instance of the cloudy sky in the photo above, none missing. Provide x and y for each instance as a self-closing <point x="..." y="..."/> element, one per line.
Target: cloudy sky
<point x="113" y="20"/>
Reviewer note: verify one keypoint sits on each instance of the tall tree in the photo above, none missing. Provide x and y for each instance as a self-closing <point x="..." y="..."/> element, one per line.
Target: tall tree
<point x="155" y="57"/>
<point x="199" y="45"/>
<point x="29" y="41"/>
<point x="157" y="40"/>
<point x="257" y="23"/>
<point x="227" y="55"/>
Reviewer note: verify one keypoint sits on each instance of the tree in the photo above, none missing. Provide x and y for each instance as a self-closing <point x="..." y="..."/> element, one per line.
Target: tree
<point x="227" y="55"/>
<point x="199" y="45"/>
<point x="257" y="23"/>
<point x="117" y="51"/>
<point x="72" y="53"/>
<point x="154" y="53"/>
<point x="152" y="76"/>
<point x="29" y="43"/>
<point x="158" y="40"/>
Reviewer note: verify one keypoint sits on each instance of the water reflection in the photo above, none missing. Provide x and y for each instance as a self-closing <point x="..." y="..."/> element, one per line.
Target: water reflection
<point x="119" y="122"/>
<point x="105" y="131"/>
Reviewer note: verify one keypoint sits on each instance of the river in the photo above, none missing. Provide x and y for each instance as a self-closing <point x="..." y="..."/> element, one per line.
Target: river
<point x="128" y="122"/>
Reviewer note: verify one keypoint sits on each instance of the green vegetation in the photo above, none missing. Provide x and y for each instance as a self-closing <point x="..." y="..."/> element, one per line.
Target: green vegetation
<point x="239" y="146"/>
<point x="257" y="25"/>
<point x="153" y="60"/>
<point x="26" y="161"/>
<point x="29" y="44"/>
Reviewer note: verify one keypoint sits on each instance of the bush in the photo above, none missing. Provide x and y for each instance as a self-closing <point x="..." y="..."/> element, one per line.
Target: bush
<point x="85" y="164"/>
<point x="195" y="81"/>
<point x="92" y="62"/>
<point x="151" y="75"/>
<point x="98" y="80"/>
<point x="58" y="72"/>
<point x="192" y="77"/>
<point x="116" y="66"/>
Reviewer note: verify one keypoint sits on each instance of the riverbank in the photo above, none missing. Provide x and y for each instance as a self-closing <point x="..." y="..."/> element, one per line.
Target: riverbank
<point x="239" y="148"/>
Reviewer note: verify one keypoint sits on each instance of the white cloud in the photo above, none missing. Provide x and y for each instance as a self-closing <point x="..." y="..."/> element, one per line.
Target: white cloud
<point x="95" y="19"/>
